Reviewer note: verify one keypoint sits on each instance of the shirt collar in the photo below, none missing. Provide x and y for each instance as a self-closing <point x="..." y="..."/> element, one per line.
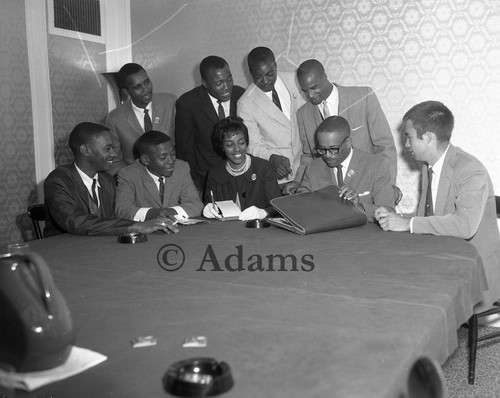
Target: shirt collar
<point x="86" y="179"/>
<point x="438" y="166"/>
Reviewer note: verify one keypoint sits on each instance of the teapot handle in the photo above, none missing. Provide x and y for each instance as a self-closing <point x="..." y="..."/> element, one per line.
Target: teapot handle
<point x="43" y="277"/>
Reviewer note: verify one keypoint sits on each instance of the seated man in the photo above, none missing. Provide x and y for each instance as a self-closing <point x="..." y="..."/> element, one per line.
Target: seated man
<point x="197" y="113"/>
<point x="157" y="184"/>
<point x="456" y="197"/>
<point x="362" y="177"/>
<point x="268" y="108"/>
<point x="80" y="197"/>
<point x="143" y="111"/>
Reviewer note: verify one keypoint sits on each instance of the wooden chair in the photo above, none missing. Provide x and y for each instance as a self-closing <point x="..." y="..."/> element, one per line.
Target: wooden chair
<point x="473" y="326"/>
<point x="425" y="379"/>
<point x="37" y="213"/>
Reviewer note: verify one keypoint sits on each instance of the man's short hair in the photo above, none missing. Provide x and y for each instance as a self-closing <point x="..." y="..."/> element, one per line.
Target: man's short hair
<point x="432" y="116"/>
<point x="126" y="71"/>
<point x="149" y="140"/>
<point x="309" y="65"/>
<point x="259" y="54"/>
<point x="227" y="128"/>
<point x="84" y="133"/>
<point x="333" y="124"/>
<point x="211" y="62"/>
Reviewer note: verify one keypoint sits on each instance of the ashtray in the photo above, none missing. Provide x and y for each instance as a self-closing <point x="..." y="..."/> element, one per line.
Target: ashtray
<point x="198" y="377"/>
<point x="132" y="237"/>
<point x="257" y="224"/>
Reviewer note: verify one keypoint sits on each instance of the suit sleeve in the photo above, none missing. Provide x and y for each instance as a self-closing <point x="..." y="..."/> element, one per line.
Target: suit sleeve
<point x="118" y="164"/>
<point x="184" y="133"/>
<point x="380" y="133"/>
<point x="125" y="206"/>
<point x="189" y="197"/>
<point x="257" y="143"/>
<point x="382" y="193"/>
<point x="470" y="202"/>
<point x="306" y="156"/>
<point x="271" y="189"/>
<point x="62" y="203"/>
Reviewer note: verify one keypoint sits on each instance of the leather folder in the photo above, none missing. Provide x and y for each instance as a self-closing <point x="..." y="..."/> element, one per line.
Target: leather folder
<point x="317" y="211"/>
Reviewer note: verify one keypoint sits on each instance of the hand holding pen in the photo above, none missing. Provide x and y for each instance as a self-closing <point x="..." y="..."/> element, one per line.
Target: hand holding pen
<point x="211" y="210"/>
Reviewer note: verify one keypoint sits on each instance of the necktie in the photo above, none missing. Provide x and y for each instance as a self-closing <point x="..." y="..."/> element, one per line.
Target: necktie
<point x="340" y="177"/>
<point x="429" y="207"/>
<point x="326" y="111"/>
<point x="94" y="192"/>
<point x="276" y="99"/>
<point x="222" y="115"/>
<point x="148" y="125"/>
<point x="162" y="189"/>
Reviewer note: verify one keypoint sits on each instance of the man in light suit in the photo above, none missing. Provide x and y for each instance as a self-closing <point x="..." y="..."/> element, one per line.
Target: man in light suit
<point x="459" y="200"/>
<point x="268" y="107"/>
<point x="361" y="177"/>
<point x="197" y="113"/>
<point x="157" y="184"/>
<point x="370" y="131"/>
<point x="80" y="197"/>
<point x="143" y="111"/>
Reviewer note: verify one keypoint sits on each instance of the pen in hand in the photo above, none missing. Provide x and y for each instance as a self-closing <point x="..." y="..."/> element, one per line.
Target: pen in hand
<point x="216" y="208"/>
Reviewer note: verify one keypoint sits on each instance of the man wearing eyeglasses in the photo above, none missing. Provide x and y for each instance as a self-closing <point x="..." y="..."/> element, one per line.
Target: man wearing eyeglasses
<point x="363" y="178"/>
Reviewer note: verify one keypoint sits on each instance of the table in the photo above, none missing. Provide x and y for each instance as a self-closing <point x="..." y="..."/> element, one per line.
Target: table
<point x="348" y="320"/>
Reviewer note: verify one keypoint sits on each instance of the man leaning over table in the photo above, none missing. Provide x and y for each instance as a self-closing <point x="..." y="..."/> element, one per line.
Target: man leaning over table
<point x="268" y="107"/>
<point x="456" y="197"/>
<point x="80" y="197"/>
<point x="361" y="177"/>
<point x="143" y="111"/>
<point x="157" y="184"/>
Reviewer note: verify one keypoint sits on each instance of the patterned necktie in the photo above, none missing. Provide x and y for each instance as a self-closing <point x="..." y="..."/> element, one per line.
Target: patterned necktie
<point x="276" y="99"/>
<point x="162" y="189"/>
<point x="148" y="125"/>
<point x="94" y="192"/>
<point x="222" y="115"/>
<point x="340" y="177"/>
<point x="326" y="111"/>
<point x="429" y="207"/>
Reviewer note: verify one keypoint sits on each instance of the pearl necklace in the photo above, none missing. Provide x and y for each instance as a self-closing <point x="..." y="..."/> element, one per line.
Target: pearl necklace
<point x="237" y="170"/>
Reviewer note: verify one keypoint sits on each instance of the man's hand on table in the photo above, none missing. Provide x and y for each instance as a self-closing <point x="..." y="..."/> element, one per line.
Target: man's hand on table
<point x="159" y="223"/>
<point x="390" y="221"/>
<point x="281" y="165"/>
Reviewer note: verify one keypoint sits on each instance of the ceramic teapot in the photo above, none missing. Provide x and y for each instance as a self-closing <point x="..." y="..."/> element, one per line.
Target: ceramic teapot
<point x="36" y="330"/>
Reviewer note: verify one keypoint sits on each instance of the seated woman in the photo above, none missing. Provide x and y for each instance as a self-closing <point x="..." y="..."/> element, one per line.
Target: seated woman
<point x="246" y="179"/>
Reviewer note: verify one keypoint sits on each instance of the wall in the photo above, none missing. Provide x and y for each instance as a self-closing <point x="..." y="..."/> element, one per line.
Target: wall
<point x="17" y="168"/>
<point x="408" y="51"/>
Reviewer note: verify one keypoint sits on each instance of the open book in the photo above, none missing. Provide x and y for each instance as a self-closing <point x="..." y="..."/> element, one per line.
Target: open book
<point x="316" y="211"/>
<point x="230" y="210"/>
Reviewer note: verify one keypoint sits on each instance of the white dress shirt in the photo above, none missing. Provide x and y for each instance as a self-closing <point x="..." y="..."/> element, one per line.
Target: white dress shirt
<point x="332" y="101"/>
<point x="139" y="113"/>
<point x="88" y="183"/>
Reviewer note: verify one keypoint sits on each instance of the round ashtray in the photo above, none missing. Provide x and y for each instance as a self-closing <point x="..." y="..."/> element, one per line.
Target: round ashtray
<point x="257" y="224"/>
<point x="198" y="377"/>
<point x="132" y="237"/>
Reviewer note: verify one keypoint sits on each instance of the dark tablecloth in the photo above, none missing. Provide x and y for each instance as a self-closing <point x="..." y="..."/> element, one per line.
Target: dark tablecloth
<point x="344" y="315"/>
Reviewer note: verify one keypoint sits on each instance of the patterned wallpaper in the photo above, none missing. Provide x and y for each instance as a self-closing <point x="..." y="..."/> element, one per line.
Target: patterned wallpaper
<point x="78" y="90"/>
<point x="17" y="167"/>
<point x="408" y="51"/>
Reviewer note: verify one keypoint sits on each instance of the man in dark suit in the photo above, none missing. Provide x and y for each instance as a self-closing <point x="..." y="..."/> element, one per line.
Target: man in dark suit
<point x="361" y="177"/>
<point x="197" y="113"/>
<point x="143" y="111"/>
<point x="80" y="197"/>
<point x="370" y="131"/>
<point x="456" y="197"/>
<point x="158" y="184"/>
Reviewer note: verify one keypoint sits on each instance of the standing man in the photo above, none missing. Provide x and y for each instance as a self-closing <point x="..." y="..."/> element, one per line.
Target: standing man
<point x="268" y="107"/>
<point x="370" y="131"/>
<point x="80" y="197"/>
<point x="456" y="197"/>
<point x="159" y="184"/>
<point x="143" y="111"/>
<point x="361" y="177"/>
<point x="197" y="113"/>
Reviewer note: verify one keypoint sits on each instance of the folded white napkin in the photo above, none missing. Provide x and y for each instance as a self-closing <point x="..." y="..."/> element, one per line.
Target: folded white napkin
<point x="79" y="359"/>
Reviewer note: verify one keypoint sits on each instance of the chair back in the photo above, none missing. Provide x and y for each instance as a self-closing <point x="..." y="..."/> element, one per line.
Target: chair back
<point x="425" y="379"/>
<point x="37" y="213"/>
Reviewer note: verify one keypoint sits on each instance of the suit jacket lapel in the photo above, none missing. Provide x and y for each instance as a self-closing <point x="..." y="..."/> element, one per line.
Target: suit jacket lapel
<point x="353" y="165"/>
<point x="344" y="104"/>
<point x="158" y="112"/>
<point x="80" y="188"/>
<point x="150" y="185"/>
<point x="132" y="119"/>
<point x="206" y="105"/>
<point x="263" y="102"/>
<point x="445" y="181"/>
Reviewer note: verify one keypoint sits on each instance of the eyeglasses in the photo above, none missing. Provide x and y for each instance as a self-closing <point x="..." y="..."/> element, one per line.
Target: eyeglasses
<point x="331" y="151"/>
